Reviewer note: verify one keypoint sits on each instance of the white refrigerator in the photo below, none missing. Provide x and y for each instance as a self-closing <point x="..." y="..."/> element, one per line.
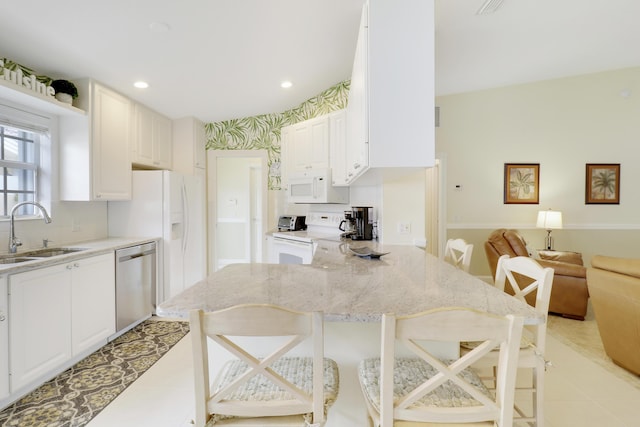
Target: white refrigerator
<point x="170" y="206"/>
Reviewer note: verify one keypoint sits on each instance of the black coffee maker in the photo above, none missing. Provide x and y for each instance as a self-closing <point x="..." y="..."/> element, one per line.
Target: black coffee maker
<point x="362" y="215"/>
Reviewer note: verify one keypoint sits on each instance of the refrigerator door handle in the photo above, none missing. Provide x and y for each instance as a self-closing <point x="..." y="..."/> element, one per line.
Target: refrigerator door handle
<point x="185" y="209"/>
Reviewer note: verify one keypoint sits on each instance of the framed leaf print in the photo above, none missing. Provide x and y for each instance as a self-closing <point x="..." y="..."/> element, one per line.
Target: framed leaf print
<point x="603" y="184"/>
<point x="521" y="183"/>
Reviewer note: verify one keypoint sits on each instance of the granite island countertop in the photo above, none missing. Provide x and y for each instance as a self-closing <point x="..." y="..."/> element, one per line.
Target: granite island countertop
<point x="347" y="287"/>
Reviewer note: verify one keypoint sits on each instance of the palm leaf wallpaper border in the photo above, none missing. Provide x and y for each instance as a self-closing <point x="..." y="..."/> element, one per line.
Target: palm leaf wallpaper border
<point x="263" y="132"/>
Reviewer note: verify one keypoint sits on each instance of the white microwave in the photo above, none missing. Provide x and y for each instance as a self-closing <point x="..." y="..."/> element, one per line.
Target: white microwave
<point x="314" y="186"/>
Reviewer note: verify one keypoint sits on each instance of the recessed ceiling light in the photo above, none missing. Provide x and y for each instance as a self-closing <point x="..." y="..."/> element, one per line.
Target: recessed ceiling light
<point x="286" y="84"/>
<point x="141" y="85"/>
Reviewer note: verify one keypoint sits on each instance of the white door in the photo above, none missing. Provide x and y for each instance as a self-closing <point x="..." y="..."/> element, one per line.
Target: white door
<point x="237" y="185"/>
<point x="435" y="221"/>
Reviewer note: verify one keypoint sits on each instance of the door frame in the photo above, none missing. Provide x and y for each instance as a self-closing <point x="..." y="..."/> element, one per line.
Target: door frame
<point x="212" y="196"/>
<point x="436" y="206"/>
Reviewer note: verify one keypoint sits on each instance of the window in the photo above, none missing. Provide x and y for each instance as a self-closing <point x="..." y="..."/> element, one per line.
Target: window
<point x="19" y="166"/>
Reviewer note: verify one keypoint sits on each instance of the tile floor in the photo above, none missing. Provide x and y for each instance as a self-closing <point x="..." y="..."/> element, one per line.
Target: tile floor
<point x="579" y="393"/>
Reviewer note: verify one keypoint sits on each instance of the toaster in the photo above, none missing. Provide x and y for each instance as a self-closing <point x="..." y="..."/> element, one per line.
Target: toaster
<point x="292" y="222"/>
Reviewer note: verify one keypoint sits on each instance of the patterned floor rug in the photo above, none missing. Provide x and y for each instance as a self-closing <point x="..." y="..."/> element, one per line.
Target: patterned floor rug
<point x="78" y="394"/>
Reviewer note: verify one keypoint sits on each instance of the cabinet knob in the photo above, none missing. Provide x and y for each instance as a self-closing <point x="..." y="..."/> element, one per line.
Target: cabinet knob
<point x="69" y="266"/>
<point x="356" y="165"/>
<point x="2" y="317"/>
<point x="76" y="265"/>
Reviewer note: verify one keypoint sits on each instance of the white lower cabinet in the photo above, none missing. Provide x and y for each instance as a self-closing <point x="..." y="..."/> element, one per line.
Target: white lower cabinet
<point x="57" y="313"/>
<point x="40" y="327"/>
<point x="93" y="314"/>
<point x="4" y="339"/>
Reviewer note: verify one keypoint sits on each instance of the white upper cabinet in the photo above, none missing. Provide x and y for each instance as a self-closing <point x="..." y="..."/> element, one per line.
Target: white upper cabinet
<point x="94" y="149"/>
<point x="337" y="147"/>
<point x="189" y="146"/>
<point x="310" y="144"/>
<point x="356" y="151"/>
<point x="286" y="153"/>
<point x="390" y="114"/>
<point x="152" y="136"/>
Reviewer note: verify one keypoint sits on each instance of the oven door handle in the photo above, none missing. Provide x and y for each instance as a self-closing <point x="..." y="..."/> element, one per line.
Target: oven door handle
<point x="282" y="241"/>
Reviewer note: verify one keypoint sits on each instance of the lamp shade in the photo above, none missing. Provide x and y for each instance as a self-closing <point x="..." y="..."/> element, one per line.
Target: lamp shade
<point x="549" y="219"/>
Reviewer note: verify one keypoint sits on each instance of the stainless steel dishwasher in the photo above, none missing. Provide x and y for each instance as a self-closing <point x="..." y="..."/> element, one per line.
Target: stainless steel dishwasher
<point x="135" y="285"/>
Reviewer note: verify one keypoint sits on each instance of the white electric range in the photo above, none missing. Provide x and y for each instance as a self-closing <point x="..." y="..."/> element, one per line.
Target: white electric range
<point x="298" y="247"/>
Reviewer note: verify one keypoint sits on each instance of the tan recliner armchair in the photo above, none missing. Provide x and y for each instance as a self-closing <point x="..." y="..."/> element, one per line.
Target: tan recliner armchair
<point x="614" y="286"/>
<point x="569" y="294"/>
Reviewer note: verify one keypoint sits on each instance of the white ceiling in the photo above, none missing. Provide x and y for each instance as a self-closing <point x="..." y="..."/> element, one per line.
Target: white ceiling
<point x="224" y="59"/>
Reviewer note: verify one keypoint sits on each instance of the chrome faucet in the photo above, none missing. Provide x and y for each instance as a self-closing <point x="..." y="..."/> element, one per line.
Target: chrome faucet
<point x="13" y="241"/>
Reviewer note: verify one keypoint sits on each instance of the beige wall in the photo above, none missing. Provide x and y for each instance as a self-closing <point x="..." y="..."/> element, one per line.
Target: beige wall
<point x="403" y="202"/>
<point x="562" y="125"/>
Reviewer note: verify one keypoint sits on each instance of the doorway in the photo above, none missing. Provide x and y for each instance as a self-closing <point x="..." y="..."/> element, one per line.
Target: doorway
<point x="435" y="226"/>
<point x="237" y="198"/>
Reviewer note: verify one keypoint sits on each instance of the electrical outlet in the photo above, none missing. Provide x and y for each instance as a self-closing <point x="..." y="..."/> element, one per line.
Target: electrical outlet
<point x="404" y="228"/>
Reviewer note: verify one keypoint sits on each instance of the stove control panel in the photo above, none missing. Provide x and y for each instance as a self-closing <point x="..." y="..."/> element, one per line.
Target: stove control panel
<point x="324" y="219"/>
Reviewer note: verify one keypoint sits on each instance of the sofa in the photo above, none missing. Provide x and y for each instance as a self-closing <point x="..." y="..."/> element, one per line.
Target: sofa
<point x="614" y="286"/>
<point x="569" y="293"/>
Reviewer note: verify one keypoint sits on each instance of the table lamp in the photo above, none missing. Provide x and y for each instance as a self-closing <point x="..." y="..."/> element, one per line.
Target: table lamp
<point x="549" y="220"/>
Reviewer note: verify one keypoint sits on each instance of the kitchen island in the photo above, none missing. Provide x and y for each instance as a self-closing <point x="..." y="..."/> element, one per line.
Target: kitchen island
<point x="349" y="288"/>
<point x="353" y="293"/>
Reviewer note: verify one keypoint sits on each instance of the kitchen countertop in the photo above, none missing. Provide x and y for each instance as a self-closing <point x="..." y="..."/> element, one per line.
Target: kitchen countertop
<point x="93" y="247"/>
<point x="349" y="288"/>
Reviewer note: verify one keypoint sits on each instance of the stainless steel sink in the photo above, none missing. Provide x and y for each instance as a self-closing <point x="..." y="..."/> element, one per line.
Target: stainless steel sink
<point x="49" y="252"/>
<point x="37" y="254"/>
<point x="15" y="259"/>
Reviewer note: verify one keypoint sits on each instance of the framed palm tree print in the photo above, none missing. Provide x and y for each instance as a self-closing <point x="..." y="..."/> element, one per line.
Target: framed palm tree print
<point x="521" y="183"/>
<point x="603" y="184"/>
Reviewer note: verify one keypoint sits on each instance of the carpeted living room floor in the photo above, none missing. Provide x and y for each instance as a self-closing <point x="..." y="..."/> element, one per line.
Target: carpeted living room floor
<point x="585" y="339"/>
